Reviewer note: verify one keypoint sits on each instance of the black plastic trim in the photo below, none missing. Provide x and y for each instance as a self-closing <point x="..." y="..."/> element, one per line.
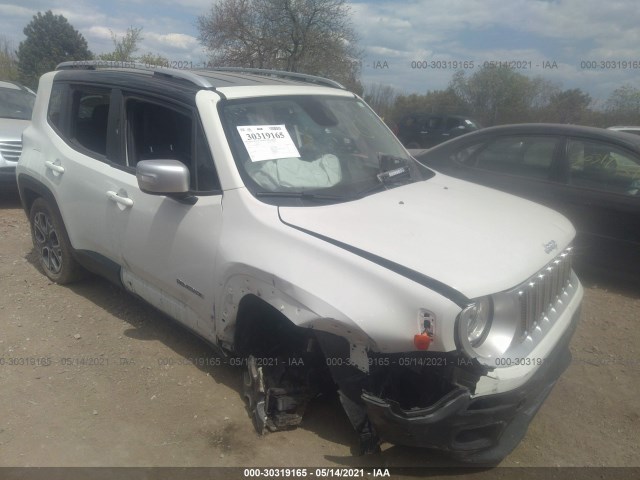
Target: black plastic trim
<point x="481" y="430"/>
<point x="92" y="261"/>
<point x="100" y="265"/>
<point x="26" y="182"/>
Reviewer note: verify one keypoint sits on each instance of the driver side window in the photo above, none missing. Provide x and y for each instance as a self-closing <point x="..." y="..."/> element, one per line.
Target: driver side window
<point x="157" y="131"/>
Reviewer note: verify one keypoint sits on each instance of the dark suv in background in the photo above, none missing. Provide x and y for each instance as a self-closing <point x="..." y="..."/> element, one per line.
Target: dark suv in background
<point x="421" y="130"/>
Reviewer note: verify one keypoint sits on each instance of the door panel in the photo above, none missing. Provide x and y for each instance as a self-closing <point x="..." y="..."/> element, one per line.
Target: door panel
<point x="168" y="251"/>
<point x="167" y="247"/>
<point x="77" y="166"/>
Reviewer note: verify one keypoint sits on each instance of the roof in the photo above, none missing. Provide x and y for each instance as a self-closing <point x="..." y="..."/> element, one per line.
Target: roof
<point x="624" y="127"/>
<point x="8" y="84"/>
<point x="625" y="140"/>
<point x="203" y="78"/>
<point x="558" y="129"/>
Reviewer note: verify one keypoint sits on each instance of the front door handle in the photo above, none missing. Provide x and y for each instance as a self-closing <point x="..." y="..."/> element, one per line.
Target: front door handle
<point x="53" y="166"/>
<point x="113" y="196"/>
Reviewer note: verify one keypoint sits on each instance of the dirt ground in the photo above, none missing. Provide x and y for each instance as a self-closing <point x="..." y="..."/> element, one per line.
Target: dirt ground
<point x="90" y="376"/>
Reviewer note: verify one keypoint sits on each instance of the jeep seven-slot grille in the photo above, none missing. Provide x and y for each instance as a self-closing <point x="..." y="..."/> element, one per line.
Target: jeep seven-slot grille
<point x="11" y="149"/>
<point x="540" y="293"/>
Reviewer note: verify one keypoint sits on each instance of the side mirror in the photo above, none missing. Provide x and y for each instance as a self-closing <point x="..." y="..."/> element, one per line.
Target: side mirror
<point x="163" y="177"/>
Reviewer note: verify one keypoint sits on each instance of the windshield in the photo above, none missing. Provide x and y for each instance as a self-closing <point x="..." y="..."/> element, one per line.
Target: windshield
<point x="16" y="103"/>
<point x="314" y="147"/>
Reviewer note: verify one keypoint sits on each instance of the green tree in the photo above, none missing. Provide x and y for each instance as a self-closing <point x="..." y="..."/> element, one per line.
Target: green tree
<point x="8" y="61"/>
<point x="308" y="36"/>
<point x="623" y="105"/>
<point x="569" y="106"/>
<point x="124" y="47"/>
<point x="50" y="40"/>
<point x="150" y="59"/>
<point x="381" y="98"/>
<point x="501" y="95"/>
<point x="436" y="102"/>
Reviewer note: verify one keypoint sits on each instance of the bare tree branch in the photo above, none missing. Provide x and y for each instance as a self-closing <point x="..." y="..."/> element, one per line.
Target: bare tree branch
<point x="310" y="36"/>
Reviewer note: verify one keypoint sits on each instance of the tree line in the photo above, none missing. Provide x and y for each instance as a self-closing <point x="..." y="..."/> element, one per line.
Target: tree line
<point x="51" y="39"/>
<point x="317" y="37"/>
<point x="496" y="96"/>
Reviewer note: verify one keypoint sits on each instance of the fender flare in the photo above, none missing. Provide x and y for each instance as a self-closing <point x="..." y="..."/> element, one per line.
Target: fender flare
<point x="301" y="308"/>
<point x="28" y="184"/>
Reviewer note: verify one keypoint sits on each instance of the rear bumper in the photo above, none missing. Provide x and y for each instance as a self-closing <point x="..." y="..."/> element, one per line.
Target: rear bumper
<point x="479" y="430"/>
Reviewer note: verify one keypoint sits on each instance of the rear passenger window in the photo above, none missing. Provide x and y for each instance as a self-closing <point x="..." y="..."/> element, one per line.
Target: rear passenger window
<point x="602" y="166"/>
<point x="163" y="132"/>
<point x="89" y="116"/>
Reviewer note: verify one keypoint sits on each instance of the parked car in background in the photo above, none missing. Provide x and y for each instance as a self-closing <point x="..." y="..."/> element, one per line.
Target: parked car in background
<point x="16" y="105"/>
<point x="591" y="175"/>
<point x="626" y="129"/>
<point x="420" y="130"/>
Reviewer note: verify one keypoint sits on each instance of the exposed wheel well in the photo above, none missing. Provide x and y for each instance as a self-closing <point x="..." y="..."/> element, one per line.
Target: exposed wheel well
<point x="286" y="368"/>
<point x="262" y="330"/>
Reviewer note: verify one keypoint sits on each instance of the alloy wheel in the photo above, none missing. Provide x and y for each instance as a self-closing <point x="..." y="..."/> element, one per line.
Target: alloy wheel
<point x="47" y="242"/>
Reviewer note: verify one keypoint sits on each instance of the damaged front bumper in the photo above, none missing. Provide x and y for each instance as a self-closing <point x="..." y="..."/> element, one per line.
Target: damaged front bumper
<point x="479" y="430"/>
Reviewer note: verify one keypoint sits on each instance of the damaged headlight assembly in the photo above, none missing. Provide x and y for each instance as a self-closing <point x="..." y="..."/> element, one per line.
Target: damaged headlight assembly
<point x="487" y="327"/>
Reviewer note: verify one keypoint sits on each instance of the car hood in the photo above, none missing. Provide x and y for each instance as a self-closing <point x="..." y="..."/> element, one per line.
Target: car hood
<point x="11" y="128"/>
<point x="473" y="239"/>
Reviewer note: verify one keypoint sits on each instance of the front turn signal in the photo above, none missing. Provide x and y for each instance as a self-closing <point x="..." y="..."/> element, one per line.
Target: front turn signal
<point x="422" y="341"/>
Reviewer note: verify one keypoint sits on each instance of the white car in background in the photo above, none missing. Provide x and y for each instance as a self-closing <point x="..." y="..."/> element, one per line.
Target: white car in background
<point x="16" y="105"/>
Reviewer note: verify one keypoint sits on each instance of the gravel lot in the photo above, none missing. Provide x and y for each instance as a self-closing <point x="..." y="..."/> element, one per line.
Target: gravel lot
<point x="104" y="380"/>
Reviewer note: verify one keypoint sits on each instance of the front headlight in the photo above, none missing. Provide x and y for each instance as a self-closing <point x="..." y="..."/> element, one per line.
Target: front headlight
<point x="477" y="318"/>
<point x="486" y="328"/>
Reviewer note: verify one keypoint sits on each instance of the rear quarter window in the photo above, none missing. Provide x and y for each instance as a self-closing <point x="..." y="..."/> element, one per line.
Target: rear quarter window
<point x="54" y="113"/>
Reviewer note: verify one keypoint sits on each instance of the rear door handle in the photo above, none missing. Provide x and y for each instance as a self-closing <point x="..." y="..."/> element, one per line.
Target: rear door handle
<point x="113" y="196"/>
<point x="55" y="167"/>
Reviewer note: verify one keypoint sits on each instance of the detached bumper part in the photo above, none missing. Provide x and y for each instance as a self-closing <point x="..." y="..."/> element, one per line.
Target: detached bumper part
<point x="481" y="430"/>
<point x="272" y="408"/>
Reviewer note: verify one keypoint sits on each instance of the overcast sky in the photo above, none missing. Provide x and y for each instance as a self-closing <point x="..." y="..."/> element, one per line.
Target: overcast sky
<point x="568" y="36"/>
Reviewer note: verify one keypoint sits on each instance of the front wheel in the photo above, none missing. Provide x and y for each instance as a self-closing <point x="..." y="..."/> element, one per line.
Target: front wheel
<point x="52" y="244"/>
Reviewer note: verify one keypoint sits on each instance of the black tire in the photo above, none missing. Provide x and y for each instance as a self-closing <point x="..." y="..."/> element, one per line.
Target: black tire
<point x="51" y="244"/>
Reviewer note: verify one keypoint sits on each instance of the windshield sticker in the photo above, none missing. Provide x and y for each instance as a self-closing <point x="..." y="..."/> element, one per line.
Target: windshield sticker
<point x="268" y="142"/>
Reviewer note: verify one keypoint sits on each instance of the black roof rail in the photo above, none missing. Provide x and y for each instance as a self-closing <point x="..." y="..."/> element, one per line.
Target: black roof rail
<point x="191" y="75"/>
<point x="153" y="69"/>
<point x="281" y="73"/>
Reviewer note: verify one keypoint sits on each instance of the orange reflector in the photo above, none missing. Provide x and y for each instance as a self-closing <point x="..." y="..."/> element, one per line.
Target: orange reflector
<point x="422" y="341"/>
